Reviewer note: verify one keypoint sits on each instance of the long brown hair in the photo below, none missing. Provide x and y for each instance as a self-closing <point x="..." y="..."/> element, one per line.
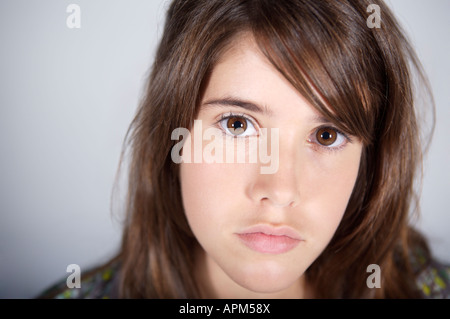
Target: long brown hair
<point x="360" y="78"/>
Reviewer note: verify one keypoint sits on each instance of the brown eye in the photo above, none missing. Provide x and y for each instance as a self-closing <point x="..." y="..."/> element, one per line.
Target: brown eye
<point x="236" y="125"/>
<point x="326" y="136"/>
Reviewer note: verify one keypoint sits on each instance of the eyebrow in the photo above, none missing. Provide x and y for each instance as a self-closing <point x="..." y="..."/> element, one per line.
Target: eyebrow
<point x="254" y="107"/>
<point x="231" y="101"/>
<point x="320" y="119"/>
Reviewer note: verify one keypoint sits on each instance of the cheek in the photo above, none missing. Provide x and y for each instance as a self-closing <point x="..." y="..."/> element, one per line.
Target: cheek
<point x="212" y="193"/>
<point x="209" y="192"/>
<point x="198" y="195"/>
<point x="327" y="189"/>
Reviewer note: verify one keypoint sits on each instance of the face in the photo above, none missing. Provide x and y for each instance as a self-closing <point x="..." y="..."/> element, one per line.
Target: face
<point x="258" y="231"/>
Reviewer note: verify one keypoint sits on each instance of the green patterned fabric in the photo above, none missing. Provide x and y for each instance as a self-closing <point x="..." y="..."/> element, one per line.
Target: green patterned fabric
<point x="434" y="281"/>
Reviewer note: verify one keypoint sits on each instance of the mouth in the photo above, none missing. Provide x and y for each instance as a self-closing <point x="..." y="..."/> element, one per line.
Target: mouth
<point x="270" y="240"/>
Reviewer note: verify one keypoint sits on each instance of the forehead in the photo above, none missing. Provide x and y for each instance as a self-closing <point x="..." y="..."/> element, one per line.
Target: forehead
<point x="243" y="73"/>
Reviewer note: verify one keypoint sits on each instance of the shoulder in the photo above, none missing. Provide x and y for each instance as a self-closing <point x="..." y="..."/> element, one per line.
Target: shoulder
<point x="99" y="283"/>
<point x="434" y="279"/>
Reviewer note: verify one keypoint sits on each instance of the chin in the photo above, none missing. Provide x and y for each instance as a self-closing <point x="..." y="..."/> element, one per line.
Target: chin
<point x="265" y="277"/>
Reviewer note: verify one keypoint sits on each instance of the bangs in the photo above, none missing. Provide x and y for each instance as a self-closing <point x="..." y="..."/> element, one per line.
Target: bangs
<point x="330" y="62"/>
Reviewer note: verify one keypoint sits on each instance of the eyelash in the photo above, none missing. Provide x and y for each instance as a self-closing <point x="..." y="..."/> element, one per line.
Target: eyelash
<point x="255" y="124"/>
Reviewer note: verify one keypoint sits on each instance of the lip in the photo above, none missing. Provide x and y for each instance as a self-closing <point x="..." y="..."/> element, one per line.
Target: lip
<point x="270" y="240"/>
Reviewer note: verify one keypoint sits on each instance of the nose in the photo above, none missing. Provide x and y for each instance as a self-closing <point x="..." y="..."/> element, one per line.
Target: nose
<point x="281" y="188"/>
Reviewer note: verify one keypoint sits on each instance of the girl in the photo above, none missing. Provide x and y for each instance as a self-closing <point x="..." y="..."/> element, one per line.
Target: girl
<point x="330" y="96"/>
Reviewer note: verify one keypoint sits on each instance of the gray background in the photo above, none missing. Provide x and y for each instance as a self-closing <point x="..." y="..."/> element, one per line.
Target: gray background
<point x="67" y="97"/>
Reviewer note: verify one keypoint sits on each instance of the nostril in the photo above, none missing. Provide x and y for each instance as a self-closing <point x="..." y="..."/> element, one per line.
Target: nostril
<point x="279" y="203"/>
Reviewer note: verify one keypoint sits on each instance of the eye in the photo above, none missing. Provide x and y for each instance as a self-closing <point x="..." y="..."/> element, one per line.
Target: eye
<point x="326" y="136"/>
<point x="237" y="126"/>
<point x="329" y="137"/>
